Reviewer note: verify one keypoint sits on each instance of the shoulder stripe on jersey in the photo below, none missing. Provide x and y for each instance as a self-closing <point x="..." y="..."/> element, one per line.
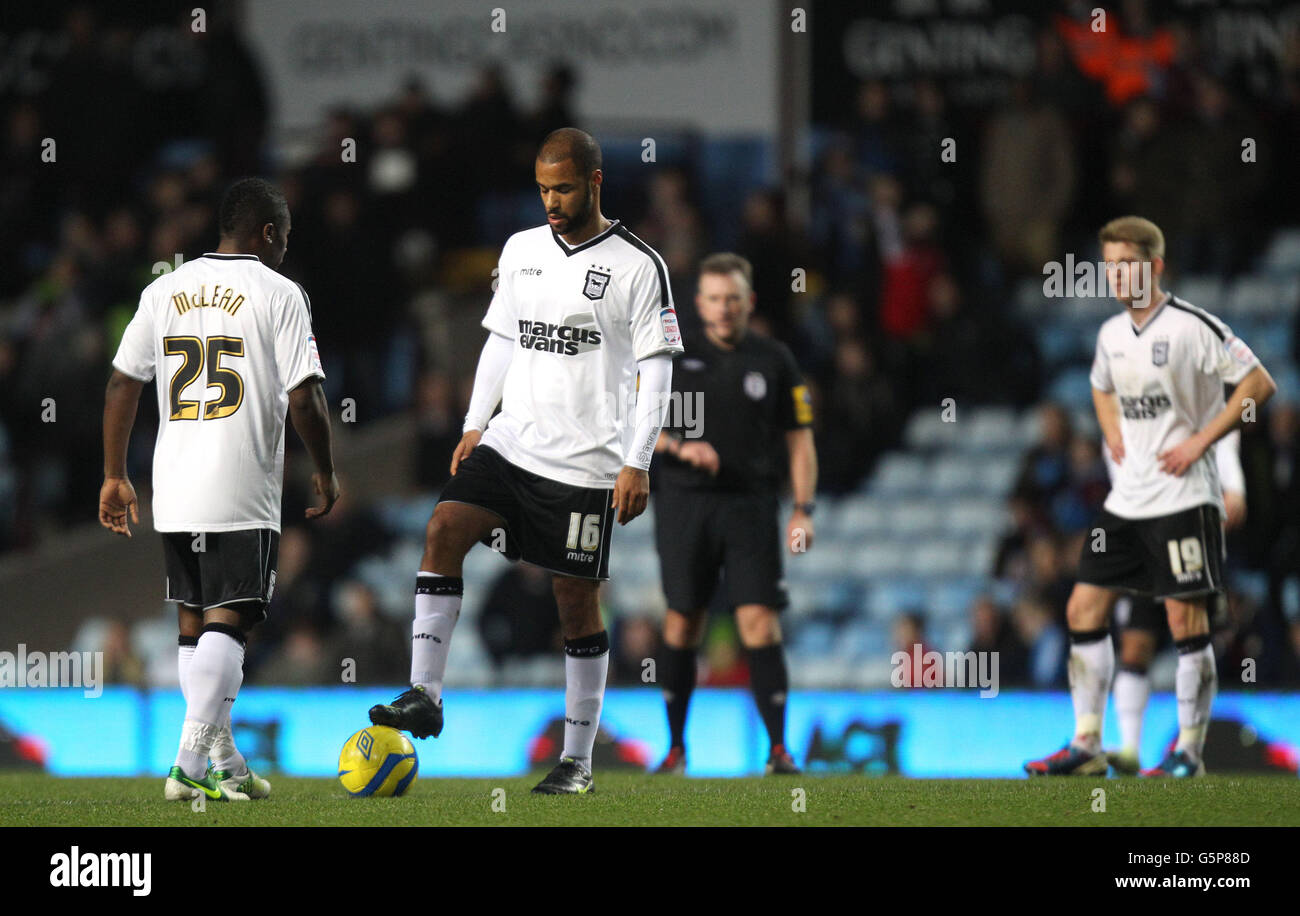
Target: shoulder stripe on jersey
<point x="305" y="297"/>
<point x="626" y="235"/>
<point x="1211" y="322"/>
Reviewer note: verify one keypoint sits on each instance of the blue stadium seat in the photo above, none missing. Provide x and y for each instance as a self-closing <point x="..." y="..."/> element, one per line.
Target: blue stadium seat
<point x="889" y="597"/>
<point x="915" y="518"/>
<point x="1072" y="389"/>
<point x="900" y="474"/>
<point x="927" y="430"/>
<point x="1283" y="254"/>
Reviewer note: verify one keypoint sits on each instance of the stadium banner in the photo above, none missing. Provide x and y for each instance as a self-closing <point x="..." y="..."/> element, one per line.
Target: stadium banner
<point x="707" y="64"/>
<point x="508" y="732"/>
<point x="975" y="49"/>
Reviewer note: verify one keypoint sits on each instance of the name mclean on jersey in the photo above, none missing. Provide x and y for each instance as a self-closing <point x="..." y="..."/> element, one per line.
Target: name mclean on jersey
<point x="228" y="301"/>
<point x="556" y="338"/>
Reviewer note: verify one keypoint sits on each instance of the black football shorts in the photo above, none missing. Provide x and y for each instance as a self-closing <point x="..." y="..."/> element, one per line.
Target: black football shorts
<point x="210" y="569"/>
<point x="1169" y="556"/>
<point x="701" y="533"/>
<point x="550" y="524"/>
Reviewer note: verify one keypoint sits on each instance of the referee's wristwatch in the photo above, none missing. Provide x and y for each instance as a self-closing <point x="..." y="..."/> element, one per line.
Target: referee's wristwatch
<point x="805" y="508"/>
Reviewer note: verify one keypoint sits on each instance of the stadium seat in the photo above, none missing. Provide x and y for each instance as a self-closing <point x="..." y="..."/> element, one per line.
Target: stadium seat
<point x="952" y="598"/>
<point x="916" y="518"/>
<point x="1258" y="295"/>
<point x="937" y="558"/>
<point x="988" y="429"/>
<point x="1283" y="254"/>
<point x="1072" y="388"/>
<point x="859" y="517"/>
<point x="998" y="473"/>
<point x="954" y="474"/>
<point x="889" y="597"/>
<point x="927" y="430"/>
<point x="976" y="516"/>
<point x="900" y="474"/>
<point x="1204" y="291"/>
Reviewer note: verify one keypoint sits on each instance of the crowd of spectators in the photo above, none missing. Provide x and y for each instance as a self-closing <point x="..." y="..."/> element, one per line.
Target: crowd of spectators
<point x="893" y="289"/>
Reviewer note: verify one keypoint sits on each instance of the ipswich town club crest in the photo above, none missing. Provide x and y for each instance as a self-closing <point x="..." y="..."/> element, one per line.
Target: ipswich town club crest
<point x="596" y="283"/>
<point x="1160" y="352"/>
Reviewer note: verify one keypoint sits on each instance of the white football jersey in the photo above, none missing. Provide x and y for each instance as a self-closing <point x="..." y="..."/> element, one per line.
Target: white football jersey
<point x="580" y="318"/>
<point x="228" y="338"/>
<point x="1169" y="377"/>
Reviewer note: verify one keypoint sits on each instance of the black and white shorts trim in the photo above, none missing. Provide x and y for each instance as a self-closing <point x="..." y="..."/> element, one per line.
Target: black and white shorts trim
<point x="1169" y="556"/>
<point x="210" y="569"/>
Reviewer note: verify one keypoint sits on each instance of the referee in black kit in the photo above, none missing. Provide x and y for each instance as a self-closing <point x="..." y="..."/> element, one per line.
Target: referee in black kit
<point x="716" y="502"/>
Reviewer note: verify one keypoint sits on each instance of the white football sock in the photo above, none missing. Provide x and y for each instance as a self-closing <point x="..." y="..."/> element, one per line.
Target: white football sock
<point x="1132" y="690"/>
<point x="1195" y="684"/>
<point x="184" y="655"/>
<point x="586" y="666"/>
<point x="437" y="608"/>
<point x="1091" y="665"/>
<point x="216" y="672"/>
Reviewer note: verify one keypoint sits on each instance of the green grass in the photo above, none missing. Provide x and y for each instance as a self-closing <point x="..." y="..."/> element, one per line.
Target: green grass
<point x="640" y="800"/>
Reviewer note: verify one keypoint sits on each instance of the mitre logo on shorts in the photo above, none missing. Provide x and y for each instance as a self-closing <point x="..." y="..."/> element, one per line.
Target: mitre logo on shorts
<point x="577" y="335"/>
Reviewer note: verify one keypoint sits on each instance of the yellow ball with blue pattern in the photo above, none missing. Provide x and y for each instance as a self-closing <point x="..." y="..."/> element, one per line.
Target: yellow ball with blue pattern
<point x="378" y="761"/>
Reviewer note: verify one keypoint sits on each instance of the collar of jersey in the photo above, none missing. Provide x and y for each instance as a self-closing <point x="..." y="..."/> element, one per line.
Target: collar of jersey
<point x="231" y="257"/>
<point x="1137" y="332"/>
<point x="594" y="240"/>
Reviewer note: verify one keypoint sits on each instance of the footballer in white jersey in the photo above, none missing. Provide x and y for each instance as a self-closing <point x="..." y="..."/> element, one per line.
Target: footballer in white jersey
<point x="1157" y="386"/>
<point x="229" y="342"/>
<point x="582" y="332"/>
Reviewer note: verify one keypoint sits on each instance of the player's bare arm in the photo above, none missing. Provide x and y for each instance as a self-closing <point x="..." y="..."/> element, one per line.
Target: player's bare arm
<point x="803" y="484"/>
<point x="1107" y="406"/>
<point x="311" y="419"/>
<point x="117" y="495"/>
<point x="1256" y="388"/>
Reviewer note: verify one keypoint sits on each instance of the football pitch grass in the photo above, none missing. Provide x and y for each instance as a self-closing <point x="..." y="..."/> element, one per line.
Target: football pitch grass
<point x="640" y="800"/>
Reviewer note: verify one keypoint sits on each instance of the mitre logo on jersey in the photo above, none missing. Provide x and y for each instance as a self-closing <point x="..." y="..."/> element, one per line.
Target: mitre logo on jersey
<point x="672" y="333"/>
<point x="1160" y="351"/>
<point x="595" y="285"/>
<point x="577" y="334"/>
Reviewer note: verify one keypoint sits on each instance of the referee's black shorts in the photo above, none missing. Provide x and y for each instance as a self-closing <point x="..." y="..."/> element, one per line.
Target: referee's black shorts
<point x="701" y="533"/>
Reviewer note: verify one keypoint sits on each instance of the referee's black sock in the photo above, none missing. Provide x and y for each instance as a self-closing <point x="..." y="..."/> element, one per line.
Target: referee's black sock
<point x="768" y="680"/>
<point x="677" y="678"/>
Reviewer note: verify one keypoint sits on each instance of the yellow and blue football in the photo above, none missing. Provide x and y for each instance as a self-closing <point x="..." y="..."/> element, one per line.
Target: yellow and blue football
<point x="377" y="761"/>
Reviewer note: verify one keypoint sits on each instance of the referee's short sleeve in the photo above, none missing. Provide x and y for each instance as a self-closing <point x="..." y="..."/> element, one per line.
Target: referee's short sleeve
<point x="796" y="411"/>
<point x="136" y="354"/>
<point x="500" y="317"/>
<point x="1100" y="374"/>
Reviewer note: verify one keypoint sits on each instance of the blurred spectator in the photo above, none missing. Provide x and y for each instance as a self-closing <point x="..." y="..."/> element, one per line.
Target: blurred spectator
<point x="1045" y="640"/>
<point x="121" y="664"/>
<point x="1028" y="180"/>
<point x="909" y="638"/>
<point x="520" y="619"/>
<point x="301" y="660"/>
<point x="992" y="631"/>
<point x="635" y="640"/>
<point x="380" y="647"/>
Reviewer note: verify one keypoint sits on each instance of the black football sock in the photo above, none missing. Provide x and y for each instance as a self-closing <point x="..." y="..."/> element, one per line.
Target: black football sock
<point x="768" y="680"/>
<point x="677" y="678"/>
